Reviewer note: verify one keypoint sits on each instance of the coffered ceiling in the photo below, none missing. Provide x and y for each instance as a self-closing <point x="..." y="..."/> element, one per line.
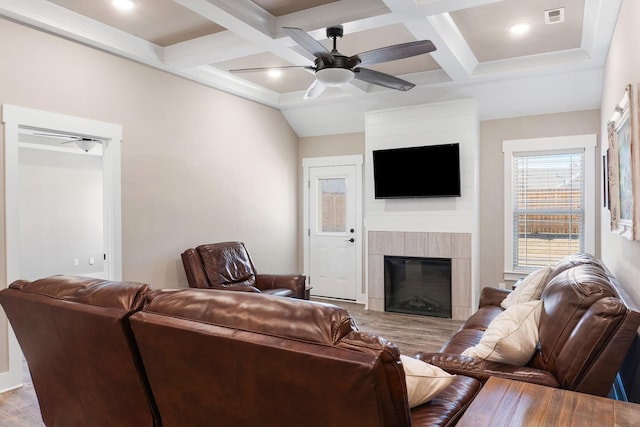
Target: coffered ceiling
<point x="203" y="39"/>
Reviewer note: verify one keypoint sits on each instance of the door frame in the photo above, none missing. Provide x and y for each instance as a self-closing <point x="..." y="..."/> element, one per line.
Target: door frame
<point x="14" y="117"/>
<point x="353" y="160"/>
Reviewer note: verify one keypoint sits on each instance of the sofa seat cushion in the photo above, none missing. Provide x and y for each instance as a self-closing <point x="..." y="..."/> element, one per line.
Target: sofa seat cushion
<point x="481" y="319"/>
<point x="280" y="292"/>
<point x="462" y="340"/>
<point x="447" y="407"/>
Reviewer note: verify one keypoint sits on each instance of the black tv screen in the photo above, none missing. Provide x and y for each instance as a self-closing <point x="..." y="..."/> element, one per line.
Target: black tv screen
<point x="429" y="171"/>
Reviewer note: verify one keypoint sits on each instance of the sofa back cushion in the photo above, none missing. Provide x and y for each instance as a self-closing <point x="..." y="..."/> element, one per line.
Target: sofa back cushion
<point x="83" y="360"/>
<point x="227" y="264"/>
<point x="584" y="327"/>
<point x="236" y="358"/>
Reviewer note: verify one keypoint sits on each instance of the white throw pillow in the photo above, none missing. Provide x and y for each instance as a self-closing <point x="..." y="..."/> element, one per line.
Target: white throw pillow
<point x="529" y="289"/>
<point x="424" y="381"/>
<point x="511" y="337"/>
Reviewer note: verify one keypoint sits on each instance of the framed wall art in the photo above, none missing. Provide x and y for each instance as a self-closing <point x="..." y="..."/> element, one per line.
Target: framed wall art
<point x="605" y="179"/>
<point x="623" y="167"/>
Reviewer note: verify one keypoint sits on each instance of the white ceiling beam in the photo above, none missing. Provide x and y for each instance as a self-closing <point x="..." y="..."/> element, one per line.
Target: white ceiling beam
<point x="562" y="61"/>
<point x="599" y="21"/>
<point x="209" y="49"/>
<point x="64" y="22"/>
<point x="452" y="51"/>
<point x="248" y="21"/>
<point x="227" y="82"/>
<point x="239" y="16"/>
<point x="435" y="7"/>
<point x="336" y="13"/>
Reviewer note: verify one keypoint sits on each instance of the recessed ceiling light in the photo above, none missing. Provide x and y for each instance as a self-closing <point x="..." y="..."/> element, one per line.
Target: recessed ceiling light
<point x="273" y="73"/>
<point x="124" y="4"/>
<point x="519" y="29"/>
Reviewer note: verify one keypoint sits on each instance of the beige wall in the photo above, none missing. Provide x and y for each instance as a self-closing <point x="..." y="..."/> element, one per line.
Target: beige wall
<point x="198" y="165"/>
<point x="492" y="133"/>
<point x="331" y="145"/>
<point x="622" y="67"/>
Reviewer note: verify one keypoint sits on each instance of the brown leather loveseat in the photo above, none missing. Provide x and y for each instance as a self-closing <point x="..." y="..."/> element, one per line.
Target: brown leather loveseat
<point x="586" y="327"/>
<point x="108" y="353"/>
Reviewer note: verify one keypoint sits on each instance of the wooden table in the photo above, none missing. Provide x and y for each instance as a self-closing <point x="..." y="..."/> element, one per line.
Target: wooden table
<point x="514" y="403"/>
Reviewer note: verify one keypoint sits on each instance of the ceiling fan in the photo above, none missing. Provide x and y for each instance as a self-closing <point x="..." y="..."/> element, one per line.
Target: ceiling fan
<point x="332" y="68"/>
<point x="82" y="142"/>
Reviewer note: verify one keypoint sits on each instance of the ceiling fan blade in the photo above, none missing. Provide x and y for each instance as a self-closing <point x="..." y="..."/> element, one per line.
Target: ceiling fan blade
<point x="56" y="136"/>
<point x="284" y="67"/>
<point x="392" y="53"/>
<point x="308" y="43"/>
<point x="83" y="139"/>
<point x="314" y="90"/>
<point x="382" y="79"/>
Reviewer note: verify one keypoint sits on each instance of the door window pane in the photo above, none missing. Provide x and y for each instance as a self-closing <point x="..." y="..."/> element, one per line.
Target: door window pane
<point x="333" y="205"/>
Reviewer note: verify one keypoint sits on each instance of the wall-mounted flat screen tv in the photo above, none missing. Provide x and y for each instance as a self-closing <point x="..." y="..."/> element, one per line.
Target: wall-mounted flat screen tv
<point x="428" y="171"/>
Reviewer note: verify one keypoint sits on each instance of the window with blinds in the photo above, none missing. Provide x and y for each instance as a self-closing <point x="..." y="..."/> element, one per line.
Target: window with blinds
<point x="548" y="207"/>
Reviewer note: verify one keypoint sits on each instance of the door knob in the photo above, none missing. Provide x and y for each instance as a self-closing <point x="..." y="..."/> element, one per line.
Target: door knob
<point x="351" y="240"/>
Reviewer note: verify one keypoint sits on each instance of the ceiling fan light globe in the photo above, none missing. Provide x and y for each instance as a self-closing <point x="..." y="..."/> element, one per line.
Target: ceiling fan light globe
<point x="334" y="76"/>
<point x="85" y="145"/>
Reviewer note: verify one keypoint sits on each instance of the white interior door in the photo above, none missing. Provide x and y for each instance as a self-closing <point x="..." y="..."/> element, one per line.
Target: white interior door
<point x="332" y="231"/>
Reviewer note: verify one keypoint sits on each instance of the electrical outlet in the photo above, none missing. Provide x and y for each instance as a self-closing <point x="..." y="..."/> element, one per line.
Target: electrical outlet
<point x="76" y="262"/>
<point x="92" y="260"/>
<point x="501" y="285"/>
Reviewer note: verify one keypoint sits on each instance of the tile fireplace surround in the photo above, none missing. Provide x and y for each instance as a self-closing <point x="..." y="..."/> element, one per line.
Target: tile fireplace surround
<point x="456" y="246"/>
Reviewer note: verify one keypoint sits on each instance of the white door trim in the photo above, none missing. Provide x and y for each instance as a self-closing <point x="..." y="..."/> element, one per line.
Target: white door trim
<point x="357" y="160"/>
<point x="14" y="117"/>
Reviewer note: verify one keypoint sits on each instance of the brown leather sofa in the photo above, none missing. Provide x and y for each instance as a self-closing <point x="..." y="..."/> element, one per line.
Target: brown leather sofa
<point x="228" y="266"/>
<point x="75" y="335"/>
<point x="100" y="355"/>
<point x="586" y="327"/>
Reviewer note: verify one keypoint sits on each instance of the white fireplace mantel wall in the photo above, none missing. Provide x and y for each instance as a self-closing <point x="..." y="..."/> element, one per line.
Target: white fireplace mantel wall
<point x="429" y="124"/>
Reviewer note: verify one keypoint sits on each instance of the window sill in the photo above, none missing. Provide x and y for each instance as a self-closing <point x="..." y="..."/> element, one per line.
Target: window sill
<point x="512" y="276"/>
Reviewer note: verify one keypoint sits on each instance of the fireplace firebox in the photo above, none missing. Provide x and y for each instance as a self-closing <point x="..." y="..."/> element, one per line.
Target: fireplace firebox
<point x="416" y="285"/>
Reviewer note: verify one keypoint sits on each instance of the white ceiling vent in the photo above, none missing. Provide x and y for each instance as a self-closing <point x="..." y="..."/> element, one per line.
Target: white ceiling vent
<point x="554" y="16"/>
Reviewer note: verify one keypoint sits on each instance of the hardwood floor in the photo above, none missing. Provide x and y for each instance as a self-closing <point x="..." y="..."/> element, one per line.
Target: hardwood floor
<point x="19" y="408"/>
<point x="411" y="333"/>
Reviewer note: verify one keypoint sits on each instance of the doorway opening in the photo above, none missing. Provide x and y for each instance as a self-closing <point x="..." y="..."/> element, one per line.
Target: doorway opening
<point x="17" y="122"/>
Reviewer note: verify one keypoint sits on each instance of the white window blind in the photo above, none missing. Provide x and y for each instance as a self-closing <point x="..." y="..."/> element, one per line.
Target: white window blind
<point x="548" y="207"/>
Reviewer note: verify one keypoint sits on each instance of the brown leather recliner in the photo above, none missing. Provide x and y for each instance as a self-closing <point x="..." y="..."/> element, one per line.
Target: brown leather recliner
<point x="586" y="327"/>
<point x="228" y="266"/>
<point x="75" y="335"/>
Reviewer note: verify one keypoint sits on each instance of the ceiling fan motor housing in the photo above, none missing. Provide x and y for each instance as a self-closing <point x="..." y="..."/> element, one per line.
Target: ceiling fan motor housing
<point x="339" y="61"/>
<point x="335" y="32"/>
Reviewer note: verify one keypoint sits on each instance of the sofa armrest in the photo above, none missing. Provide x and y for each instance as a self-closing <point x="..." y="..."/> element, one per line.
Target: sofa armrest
<point x="482" y="369"/>
<point x="492" y="296"/>
<point x="196" y="276"/>
<point x="295" y="282"/>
